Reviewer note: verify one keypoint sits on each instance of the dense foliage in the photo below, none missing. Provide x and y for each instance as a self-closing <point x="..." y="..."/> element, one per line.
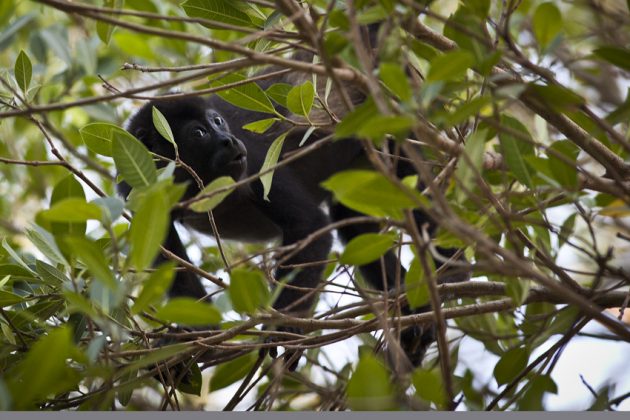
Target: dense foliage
<point x="519" y="108"/>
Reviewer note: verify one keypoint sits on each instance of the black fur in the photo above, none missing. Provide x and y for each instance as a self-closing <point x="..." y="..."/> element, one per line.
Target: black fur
<point x="294" y="208"/>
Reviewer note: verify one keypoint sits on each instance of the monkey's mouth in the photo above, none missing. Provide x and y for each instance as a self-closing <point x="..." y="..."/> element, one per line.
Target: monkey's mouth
<point x="239" y="158"/>
<point x="238" y="161"/>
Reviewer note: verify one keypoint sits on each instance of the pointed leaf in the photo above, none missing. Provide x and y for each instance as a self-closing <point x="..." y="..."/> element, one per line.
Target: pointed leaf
<point x="270" y="160"/>
<point x="23" y="70"/>
<point x="546" y="23"/>
<point x="366" y="248"/>
<point x="133" y="160"/>
<point x="300" y="99"/>
<point x="370" y="387"/>
<point x="248" y="291"/>
<point x="187" y="311"/>
<point x="162" y="126"/>
<point x="154" y="288"/>
<point x="247" y="96"/>
<point x="207" y="204"/>
<point x="148" y="229"/>
<point x="92" y="256"/>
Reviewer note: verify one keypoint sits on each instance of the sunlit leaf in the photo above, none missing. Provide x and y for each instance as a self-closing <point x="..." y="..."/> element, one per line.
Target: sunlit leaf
<point x="370" y="387"/>
<point x="248" y="290"/>
<point x="148" y="229"/>
<point x="511" y="364"/>
<point x="93" y="258"/>
<point x="366" y="248"/>
<point x="371" y="193"/>
<point x="133" y="160"/>
<point x="207" y="204"/>
<point x="271" y="159"/>
<point x="247" y="96"/>
<point x="187" y="311"/>
<point x="416" y="285"/>
<point x="300" y="99"/>
<point x="449" y="66"/>
<point x="260" y="126"/>
<point x="162" y="126"/>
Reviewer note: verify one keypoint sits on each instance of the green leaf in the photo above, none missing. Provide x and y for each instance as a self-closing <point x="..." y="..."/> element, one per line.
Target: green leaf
<point x="225" y="11"/>
<point x="367" y="248"/>
<point x="538" y="386"/>
<point x="562" y="163"/>
<point x="92" y="256"/>
<point x="133" y="160"/>
<point x="248" y="291"/>
<point x="546" y="23"/>
<point x="371" y="193"/>
<point x="105" y="30"/>
<point x="260" y="126"/>
<point x="480" y="8"/>
<point x="8" y="299"/>
<point x="111" y="207"/>
<point x="467" y="110"/>
<point x="558" y="97"/>
<point x="467" y="169"/>
<point x="45" y="242"/>
<point x="23" y="71"/>
<point x="376" y="128"/>
<point x="334" y="43"/>
<point x="450" y="66"/>
<point x="73" y="210"/>
<point x="395" y="79"/>
<point x="162" y="126"/>
<point x="44" y="371"/>
<point x="622" y="112"/>
<point x="149" y="227"/>
<point x="429" y="386"/>
<point x="228" y="373"/>
<point x="354" y="121"/>
<point x="154" y="288"/>
<point x="511" y="364"/>
<point x="51" y="275"/>
<point x="517" y="289"/>
<point x="514" y="149"/>
<point x="300" y="99"/>
<point x="187" y="311"/>
<point x="68" y="187"/>
<point x="620" y="57"/>
<point x="193" y="382"/>
<point x="154" y="357"/>
<point x="416" y="285"/>
<point x="246" y="96"/>
<point x="98" y="137"/>
<point x="208" y="204"/>
<point x="279" y="92"/>
<point x="370" y="387"/>
<point x="273" y="154"/>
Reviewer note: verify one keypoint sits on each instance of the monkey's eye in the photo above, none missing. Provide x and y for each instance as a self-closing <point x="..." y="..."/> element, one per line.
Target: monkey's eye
<point x="198" y="133"/>
<point x="218" y="121"/>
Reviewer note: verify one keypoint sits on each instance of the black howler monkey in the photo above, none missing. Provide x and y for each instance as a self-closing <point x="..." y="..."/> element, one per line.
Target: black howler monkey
<point x="213" y="143"/>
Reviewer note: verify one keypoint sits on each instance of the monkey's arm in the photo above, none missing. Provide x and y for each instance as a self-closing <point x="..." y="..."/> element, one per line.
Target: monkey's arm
<point x="186" y="283"/>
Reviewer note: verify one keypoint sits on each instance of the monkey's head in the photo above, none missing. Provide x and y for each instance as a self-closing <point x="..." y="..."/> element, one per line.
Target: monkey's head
<point x="203" y="138"/>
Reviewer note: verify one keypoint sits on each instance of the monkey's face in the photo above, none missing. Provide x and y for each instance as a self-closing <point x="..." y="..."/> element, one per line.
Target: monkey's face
<point x="210" y="149"/>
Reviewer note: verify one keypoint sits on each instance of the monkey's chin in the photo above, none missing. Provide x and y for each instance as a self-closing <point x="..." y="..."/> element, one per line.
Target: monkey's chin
<point x="237" y="166"/>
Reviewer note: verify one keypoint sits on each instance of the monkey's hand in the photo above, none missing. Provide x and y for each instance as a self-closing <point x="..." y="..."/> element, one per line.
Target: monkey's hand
<point x="291" y="357"/>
